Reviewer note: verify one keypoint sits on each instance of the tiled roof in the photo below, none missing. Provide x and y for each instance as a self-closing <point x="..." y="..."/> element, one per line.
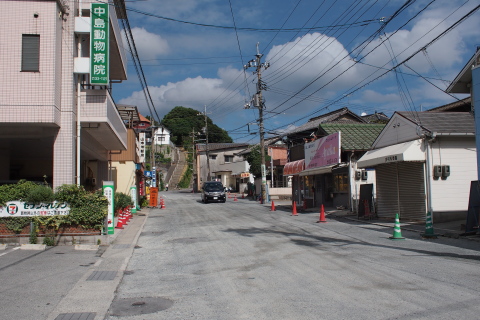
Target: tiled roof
<point x="464" y="105"/>
<point x="377" y="117"/>
<point x="343" y="115"/>
<point x="221" y="146"/>
<point x="461" y="123"/>
<point x="354" y="136"/>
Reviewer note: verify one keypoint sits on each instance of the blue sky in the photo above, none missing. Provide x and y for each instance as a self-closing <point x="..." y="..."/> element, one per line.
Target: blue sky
<point x="323" y="55"/>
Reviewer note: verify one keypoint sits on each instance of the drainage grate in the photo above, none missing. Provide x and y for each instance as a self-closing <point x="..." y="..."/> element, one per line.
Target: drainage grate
<point x="121" y="246"/>
<point x="76" y="316"/>
<point x="102" y="275"/>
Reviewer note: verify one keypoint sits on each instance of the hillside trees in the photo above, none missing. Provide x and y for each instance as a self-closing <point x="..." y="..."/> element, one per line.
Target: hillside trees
<point x="180" y="121"/>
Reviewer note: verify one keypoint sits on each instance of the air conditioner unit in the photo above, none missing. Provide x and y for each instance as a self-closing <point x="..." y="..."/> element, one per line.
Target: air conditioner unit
<point x="358" y="175"/>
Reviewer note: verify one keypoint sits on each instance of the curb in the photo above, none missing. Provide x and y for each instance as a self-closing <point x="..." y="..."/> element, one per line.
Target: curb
<point x="29" y="246"/>
<point x="85" y="247"/>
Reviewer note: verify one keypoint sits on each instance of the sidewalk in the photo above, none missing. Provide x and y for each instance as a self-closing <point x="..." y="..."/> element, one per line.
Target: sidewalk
<point x="93" y="294"/>
<point x="452" y="229"/>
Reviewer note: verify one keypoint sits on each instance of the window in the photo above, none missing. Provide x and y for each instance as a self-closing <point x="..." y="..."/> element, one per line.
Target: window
<point x="228" y="158"/>
<point x="340" y="182"/>
<point x="31" y="52"/>
<point x="213" y="157"/>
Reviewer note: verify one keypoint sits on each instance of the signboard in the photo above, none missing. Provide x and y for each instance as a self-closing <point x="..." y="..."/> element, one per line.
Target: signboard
<point x="323" y="152"/>
<point x="147" y="174"/>
<point x="264" y="175"/>
<point x="133" y="195"/>
<point x="154" y="177"/>
<point x="142" y="146"/>
<point x="153" y="197"/>
<point x="25" y="209"/>
<point x="99" y="38"/>
<point x="109" y="193"/>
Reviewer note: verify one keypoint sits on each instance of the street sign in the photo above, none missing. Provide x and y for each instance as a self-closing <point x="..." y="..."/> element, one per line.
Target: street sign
<point x="99" y="40"/>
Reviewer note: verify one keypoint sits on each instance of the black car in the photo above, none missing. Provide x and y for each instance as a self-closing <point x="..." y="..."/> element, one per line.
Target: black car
<point x="213" y="191"/>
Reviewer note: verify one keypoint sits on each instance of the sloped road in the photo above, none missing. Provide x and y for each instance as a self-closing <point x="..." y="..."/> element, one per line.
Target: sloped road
<point x="238" y="260"/>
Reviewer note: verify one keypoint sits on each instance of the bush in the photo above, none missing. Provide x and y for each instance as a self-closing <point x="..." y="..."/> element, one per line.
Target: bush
<point x="121" y="201"/>
<point x="87" y="210"/>
<point x="40" y="194"/>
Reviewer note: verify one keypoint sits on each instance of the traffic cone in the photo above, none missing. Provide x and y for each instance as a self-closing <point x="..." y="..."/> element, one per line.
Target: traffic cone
<point x="294" y="209"/>
<point x="162" y="203"/>
<point x="322" y="215"/>
<point x="229" y="195"/>
<point x="119" y="223"/>
<point x="124" y="219"/>
<point x="429" y="227"/>
<point x="397" y="233"/>
<point x="273" y="206"/>
<point x="235" y="197"/>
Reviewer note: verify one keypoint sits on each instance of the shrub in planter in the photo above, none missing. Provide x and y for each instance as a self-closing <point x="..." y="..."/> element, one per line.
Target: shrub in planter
<point x="121" y="201"/>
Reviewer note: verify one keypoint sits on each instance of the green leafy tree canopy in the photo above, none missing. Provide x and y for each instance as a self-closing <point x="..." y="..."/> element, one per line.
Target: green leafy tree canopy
<point x="254" y="159"/>
<point x="181" y="121"/>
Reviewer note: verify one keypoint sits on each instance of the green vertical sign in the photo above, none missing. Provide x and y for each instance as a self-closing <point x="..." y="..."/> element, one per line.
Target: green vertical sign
<point x="133" y="195"/>
<point x="109" y="193"/>
<point x="99" y="37"/>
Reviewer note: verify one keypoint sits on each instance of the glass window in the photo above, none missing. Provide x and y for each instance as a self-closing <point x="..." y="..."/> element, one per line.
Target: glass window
<point x="228" y="158"/>
<point x="31" y="52"/>
<point x="340" y="182"/>
<point x="213" y="157"/>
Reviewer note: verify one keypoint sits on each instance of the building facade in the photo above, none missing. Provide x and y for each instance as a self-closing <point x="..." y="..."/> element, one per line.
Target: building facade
<point x="55" y="124"/>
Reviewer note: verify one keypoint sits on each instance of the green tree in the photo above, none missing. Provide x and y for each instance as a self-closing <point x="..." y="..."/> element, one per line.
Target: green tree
<point x="254" y="159"/>
<point x="180" y="121"/>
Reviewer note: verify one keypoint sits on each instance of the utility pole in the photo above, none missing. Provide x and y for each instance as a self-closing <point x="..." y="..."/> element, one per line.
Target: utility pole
<point x="206" y="143"/>
<point x="258" y="103"/>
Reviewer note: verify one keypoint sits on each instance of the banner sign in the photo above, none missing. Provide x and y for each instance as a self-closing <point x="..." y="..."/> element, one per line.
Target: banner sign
<point x="99" y="38"/>
<point x="109" y="193"/>
<point x="323" y="152"/>
<point x="133" y="195"/>
<point x="25" y="209"/>
<point x="154" y="177"/>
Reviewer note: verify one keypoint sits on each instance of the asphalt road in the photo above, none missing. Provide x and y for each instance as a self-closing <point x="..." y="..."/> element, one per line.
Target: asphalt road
<point x="238" y="260"/>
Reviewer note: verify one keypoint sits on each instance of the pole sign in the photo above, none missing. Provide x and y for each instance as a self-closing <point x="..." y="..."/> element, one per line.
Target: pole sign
<point x="264" y="174"/>
<point x="109" y="192"/>
<point x="154" y="177"/>
<point x="99" y="40"/>
<point x="133" y="195"/>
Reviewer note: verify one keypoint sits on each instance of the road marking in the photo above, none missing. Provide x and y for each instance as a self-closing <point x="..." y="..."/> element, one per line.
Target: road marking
<point x="16" y="248"/>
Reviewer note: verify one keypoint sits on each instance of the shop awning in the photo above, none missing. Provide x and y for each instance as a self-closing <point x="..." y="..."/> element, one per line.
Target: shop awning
<point x="319" y="170"/>
<point x="406" y="151"/>
<point x="294" y="167"/>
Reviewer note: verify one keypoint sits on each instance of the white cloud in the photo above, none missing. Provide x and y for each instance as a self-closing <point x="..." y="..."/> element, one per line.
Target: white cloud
<point x="191" y="93"/>
<point x="149" y="45"/>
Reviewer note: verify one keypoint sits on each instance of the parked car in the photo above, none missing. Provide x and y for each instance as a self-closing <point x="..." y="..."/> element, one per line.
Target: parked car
<point x="213" y="191"/>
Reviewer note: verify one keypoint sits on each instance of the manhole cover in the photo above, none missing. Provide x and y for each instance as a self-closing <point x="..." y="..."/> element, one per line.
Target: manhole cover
<point x="137" y="306"/>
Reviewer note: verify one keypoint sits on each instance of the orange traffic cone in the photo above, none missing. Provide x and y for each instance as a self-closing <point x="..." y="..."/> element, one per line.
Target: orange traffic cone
<point x="235" y="197"/>
<point x="294" y="210"/>
<point x="273" y="206"/>
<point x="124" y="218"/>
<point x="119" y="223"/>
<point x="322" y="214"/>
<point x="162" y="203"/>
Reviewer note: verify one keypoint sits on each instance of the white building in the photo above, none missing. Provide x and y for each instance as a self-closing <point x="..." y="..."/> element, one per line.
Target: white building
<point x="424" y="161"/>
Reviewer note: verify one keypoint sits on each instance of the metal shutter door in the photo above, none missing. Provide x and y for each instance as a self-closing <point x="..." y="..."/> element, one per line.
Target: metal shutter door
<point x="387" y="191"/>
<point x="412" y="190"/>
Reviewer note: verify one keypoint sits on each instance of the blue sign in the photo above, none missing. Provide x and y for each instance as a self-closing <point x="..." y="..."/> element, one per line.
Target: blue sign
<point x="147" y="174"/>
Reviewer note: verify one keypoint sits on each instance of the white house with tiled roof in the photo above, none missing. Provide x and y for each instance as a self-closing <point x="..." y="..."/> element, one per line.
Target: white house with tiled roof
<point x="424" y="162"/>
